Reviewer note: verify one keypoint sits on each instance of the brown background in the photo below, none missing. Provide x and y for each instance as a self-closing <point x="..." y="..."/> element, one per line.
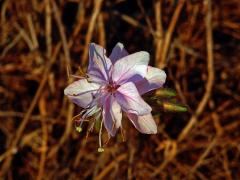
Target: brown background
<point x="196" y="42"/>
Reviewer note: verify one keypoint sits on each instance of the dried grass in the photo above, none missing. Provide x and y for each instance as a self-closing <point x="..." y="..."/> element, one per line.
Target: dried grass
<point x="196" y="42"/>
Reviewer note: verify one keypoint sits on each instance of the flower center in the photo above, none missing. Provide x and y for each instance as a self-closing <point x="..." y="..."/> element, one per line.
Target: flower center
<point x="112" y="88"/>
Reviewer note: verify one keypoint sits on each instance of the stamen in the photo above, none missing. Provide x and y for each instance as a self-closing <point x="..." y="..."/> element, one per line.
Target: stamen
<point x="100" y="149"/>
<point x="90" y="129"/>
<point x="78" y="114"/>
<point x="92" y="109"/>
<point x="78" y="77"/>
<point x="77" y="126"/>
<point x="79" y="129"/>
<point x="81" y="123"/>
<point x="98" y="115"/>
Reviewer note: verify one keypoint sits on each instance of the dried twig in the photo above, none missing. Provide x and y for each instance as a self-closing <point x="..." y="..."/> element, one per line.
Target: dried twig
<point x="43" y="111"/>
<point x="96" y="10"/>
<point x="168" y="35"/>
<point x="159" y="30"/>
<point x="48" y="28"/>
<point x="63" y="36"/>
<point x="210" y="68"/>
<point x="25" y="120"/>
<point x="110" y="166"/>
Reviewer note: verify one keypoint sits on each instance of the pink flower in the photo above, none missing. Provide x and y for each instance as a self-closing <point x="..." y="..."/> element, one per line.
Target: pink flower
<point x="115" y="85"/>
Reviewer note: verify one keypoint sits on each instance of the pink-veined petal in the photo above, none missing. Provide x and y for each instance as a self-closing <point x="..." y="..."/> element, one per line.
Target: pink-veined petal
<point x="118" y="52"/>
<point x="112" y="115"/>
<point x="81" y="92"/>
<point x="154" y="79"/>
<point x="129" y="99"/>
<point x="144" y="124"/>
<point x="99" y="64"/>
<point x="130" y="68"/>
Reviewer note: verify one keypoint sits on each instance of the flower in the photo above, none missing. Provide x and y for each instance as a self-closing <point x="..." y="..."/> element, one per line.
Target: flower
<point x="114" y="85"/>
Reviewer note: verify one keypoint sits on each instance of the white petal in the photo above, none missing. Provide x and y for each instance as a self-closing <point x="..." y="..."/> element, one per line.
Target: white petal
<point x="112" y="115"/>
<point x="131" y="102"/>
<point x="130" y="68"/>
<point x="145" y="124"/>
<point x="81" y="92"/>
<point x="118" y="52"/>
<point x="99" y="64"/>
<point x="155" y="78"/>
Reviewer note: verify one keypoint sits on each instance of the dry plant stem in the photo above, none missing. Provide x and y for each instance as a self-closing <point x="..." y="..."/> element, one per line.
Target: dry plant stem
<point x="80" y="153"/>
<point x="226" y="165"/>
<point x="3" y="21"/>
<point x="96" y="10"/>
<point x="29" y="40"/>
<point x="132" y="151"/>
<point x="21" y="115"/>
<point x="129" y="20"/>
<point x="100" y="163"/>
<point x="19" y="132"/>
<point x="11" y="45"/>
<point x="210" y="80"/>
<point x="69" y="71"/>
<point x="20" y="74"/>
<point x="159" y="30"/>
<point x="48" y="28"/>
<point x="180" y="92"/>
<point x="134" y="23"/>
<point x="158" y="17"/>
<point x="209" y="85"/>
<point x="80" y="18"/>
<point x="25" y="36"/>
<point x="149" y="24"/>
<point x="168" y="36"/>
<point x="101" y="29"/>
<point x="201" y="176"/>
<point x="79" y="23"/>
<point x="170" y="150"/>
<point x="203" y="156"/>
<point x="187" y="49"/>
<point x="7" y="153"/>
<point x="43" y="112"/>
<point x="217" y="124"/>
<point x="183" y="168"/>
<point x="67" y="131"/>
<point x="62" y="34"/>
<point x="32" y="31"/>
<point x="109" y="167"/>
<point x="33" y="35"/>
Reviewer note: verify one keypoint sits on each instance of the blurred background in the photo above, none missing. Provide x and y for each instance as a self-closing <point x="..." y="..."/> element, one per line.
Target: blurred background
<point x="197" y="43"/>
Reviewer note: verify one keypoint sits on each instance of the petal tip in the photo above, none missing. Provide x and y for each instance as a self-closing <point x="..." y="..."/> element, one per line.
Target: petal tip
<point x="164" y="76"/>
<point x="152" y="130"/>
<point x="145" y="53"/>
<point x="120" y="45"/>
<point x="92" y="44"/>
<point x="67" y="90"/>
